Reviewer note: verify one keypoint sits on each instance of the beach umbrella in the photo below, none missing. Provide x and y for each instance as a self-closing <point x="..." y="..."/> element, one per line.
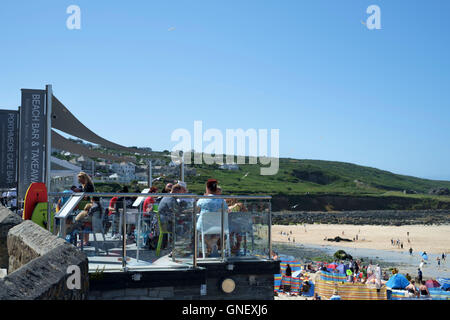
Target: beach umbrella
<point x="424" y="256"/>
<point x="432" y="284"/>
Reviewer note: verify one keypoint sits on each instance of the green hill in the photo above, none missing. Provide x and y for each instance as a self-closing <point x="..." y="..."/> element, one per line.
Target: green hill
<point x="315" y="177"/>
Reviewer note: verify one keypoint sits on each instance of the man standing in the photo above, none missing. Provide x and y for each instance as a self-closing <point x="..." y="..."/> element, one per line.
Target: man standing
<point x="419" y="273"/>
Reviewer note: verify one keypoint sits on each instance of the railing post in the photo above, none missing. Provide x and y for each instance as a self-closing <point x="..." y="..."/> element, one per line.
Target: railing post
<point x="194" y="221"/>
<point x="270" y="230"/>
<point x="222" y="233"/>
<point x="124" y="234"/>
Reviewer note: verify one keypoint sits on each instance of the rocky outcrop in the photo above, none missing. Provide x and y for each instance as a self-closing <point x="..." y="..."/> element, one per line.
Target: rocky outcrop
<point x="8" y="219"/>
<point x="440" y="191"/>
<point x="369" y="217"/>
<point x="339" y="202"/>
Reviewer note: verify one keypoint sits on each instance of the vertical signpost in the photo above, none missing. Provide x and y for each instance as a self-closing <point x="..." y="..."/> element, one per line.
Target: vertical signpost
<point x="35" y="141"/>
<point x="48" y="150"/>
<point x="32" y="138"/>
<point x="9" y="131"/>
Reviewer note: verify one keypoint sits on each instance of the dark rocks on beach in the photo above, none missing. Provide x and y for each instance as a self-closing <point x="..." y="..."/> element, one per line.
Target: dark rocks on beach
<point x="339" y="239"/>
<point x="342" y="255"/>
<point x="368" y="217"/>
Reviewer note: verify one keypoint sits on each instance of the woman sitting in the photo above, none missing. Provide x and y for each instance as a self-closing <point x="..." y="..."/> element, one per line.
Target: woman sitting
<point x="207" y="207"/>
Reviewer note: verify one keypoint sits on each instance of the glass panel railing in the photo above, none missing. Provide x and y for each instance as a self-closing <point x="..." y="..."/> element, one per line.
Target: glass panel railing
<point x="249" y="229"/>
<point x="118" y="232"/>
<point x="183" y="228"/>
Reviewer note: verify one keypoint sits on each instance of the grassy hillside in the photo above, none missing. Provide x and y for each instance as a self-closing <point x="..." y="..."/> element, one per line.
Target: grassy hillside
<point x="314" y="177"/>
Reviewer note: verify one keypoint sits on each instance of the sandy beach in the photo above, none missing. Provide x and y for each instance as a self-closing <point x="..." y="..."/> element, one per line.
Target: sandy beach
<point x="433" y="239"/>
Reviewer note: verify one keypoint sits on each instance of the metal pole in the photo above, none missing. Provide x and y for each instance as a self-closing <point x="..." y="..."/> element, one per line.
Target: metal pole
<point x="194" y="221"/>
<point x="48" y="147"/>
<point x="270" y="230"/>
<point x="139" y="231"/>
<point x="124" y="234"/>
<point x="182" y="167"/>
<point x="150" y="179"/>
<point x="222" y="234"/>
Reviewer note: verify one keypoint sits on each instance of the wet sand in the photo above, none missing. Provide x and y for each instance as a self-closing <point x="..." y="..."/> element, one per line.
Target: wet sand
<point x="432" y="239"/>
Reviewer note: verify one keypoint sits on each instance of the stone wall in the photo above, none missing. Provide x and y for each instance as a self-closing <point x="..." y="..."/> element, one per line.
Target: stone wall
<point x="45" y="278"/>
<point x="28" y="241"/>
<point x="39" y="264"/>
<point x="8" y="220"/>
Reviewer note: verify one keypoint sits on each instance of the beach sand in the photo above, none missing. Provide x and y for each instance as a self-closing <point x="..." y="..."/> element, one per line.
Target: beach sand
<point x="432" y="239"/>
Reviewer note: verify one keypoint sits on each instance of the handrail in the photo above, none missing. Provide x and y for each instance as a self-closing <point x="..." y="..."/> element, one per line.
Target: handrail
<point x="177" y="195"/>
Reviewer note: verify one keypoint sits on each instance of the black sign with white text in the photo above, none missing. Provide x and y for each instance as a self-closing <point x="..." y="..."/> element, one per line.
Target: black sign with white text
<point x="33" y="130"/>
<point x="9" y="130"/>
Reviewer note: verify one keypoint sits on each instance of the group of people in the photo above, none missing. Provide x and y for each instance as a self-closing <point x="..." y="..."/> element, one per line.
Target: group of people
<point x="159" y="213"/>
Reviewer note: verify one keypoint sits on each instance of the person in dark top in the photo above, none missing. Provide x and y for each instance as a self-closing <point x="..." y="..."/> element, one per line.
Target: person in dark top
<point x="288" y="273"/>
<point x="419" y="273"/>
<point x="86" y="183"/>
<point x="423" y="289"/>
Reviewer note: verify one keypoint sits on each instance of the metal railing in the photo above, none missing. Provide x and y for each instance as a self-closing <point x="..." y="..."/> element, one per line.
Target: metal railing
<point x="258" y="221"/>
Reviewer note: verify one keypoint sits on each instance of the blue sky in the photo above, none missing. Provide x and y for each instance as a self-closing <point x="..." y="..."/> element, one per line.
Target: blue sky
<point x="137" y="70"/>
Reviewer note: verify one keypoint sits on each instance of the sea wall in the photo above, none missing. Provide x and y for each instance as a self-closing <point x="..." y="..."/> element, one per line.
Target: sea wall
<point x="8" y="220"/>
<point x="324" y="202"/>
<point x="39" y="266"/>
<point x="369" y="217"/>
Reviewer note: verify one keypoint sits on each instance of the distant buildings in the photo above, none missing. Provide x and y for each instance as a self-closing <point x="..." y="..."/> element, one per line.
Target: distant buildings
<point x="227" y="166"/>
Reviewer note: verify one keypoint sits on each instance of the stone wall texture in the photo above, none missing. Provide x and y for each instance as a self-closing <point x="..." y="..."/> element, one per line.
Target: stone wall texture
<point x="45" y="278"/>
<point x="38" y="265"/>
<point x="8" y="220"/>
<point x="28" y="241"/>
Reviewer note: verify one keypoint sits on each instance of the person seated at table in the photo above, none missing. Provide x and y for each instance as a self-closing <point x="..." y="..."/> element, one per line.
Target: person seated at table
<point x="167" y="208"/>
<point x="83" y="221"/>
<point x="148" y="202"/>
<point x="211" y="206"/>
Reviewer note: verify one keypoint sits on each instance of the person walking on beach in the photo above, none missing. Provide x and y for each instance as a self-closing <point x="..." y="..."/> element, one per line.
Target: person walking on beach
<point x="419" y="275"/>
<point x="438" y="261"/>
<point x="443" y="256"/>
<point x="410" y="251"/>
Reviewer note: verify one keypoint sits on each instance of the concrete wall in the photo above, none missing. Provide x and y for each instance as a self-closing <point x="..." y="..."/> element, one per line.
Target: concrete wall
<point x="38" y="266"/>
<point x="8" y="220"/>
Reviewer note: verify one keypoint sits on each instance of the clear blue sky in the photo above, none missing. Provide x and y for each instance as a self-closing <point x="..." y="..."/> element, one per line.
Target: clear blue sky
<point x="137" y="70"/>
